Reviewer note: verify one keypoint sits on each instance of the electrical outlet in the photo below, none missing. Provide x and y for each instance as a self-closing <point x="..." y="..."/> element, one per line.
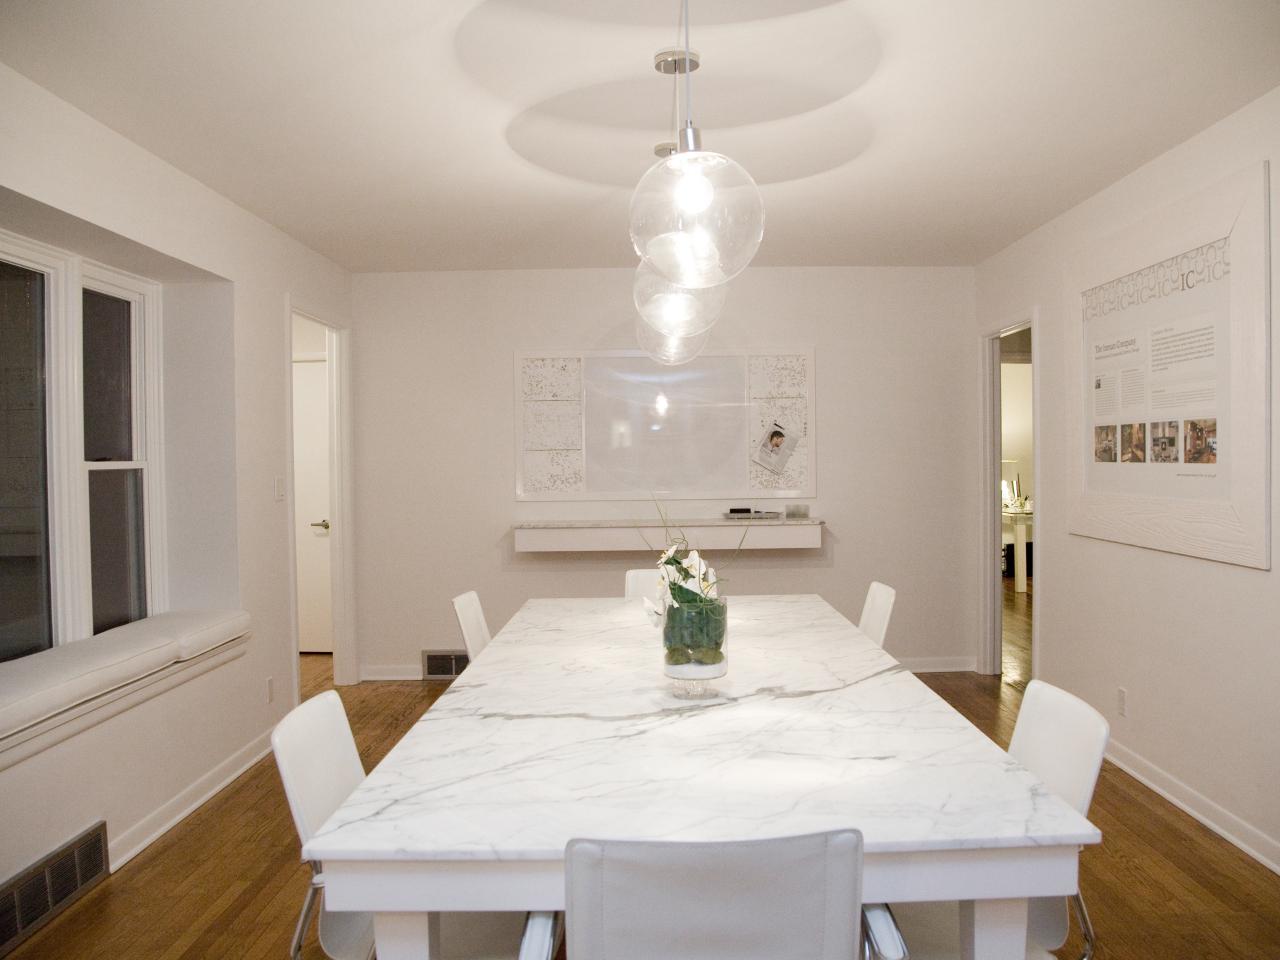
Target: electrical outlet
<point x="271" y="689"/>
<point x="1122" y="701"/>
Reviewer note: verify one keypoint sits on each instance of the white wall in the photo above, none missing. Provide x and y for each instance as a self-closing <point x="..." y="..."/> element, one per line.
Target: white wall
<point x="1017" y="441"/>
<point x="200" y="444"/>
<point x="146" y="767"/>
<point x="897" y="372"/>
<point x="1194" y="642"/>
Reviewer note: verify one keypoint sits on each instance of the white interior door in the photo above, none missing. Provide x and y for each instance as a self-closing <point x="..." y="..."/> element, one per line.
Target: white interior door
<point x="311" y="485"/>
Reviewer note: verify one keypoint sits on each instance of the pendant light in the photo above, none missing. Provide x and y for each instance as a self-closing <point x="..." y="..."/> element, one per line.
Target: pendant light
<point x="697" y="217"/>
<point x="676" y="311"/>
<point x="667" y="349"/>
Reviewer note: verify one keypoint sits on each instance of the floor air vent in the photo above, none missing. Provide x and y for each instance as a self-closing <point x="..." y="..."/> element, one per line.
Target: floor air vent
<point x="443" y="665"/>
<point x="48" y="887"/>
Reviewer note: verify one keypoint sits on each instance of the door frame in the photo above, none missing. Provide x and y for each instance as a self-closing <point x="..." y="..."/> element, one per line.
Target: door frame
<point x="991" y="602"/>
<point x="346" y="665"/>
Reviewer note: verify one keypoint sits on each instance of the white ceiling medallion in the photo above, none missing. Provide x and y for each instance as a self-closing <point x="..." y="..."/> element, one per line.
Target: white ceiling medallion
<point x="697" y="220"/>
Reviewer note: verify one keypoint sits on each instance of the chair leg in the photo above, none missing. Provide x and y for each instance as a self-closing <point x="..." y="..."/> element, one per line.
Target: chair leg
<point x="1086" y="926"/>
<point x="304" y="921"/>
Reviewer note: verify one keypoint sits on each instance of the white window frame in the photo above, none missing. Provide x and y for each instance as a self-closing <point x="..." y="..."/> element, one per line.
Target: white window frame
<point x="66" y="277"/>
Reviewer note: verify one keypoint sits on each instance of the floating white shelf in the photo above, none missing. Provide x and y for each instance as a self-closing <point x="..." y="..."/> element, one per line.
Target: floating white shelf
<point x="582" y="536"/>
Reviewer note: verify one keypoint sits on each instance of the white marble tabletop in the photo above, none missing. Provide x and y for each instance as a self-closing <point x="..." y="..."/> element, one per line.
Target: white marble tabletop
<point x="565" y="727"/>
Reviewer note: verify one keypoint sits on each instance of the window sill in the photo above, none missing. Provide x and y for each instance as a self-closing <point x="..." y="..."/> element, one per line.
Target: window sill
<point x="79" y="685"/>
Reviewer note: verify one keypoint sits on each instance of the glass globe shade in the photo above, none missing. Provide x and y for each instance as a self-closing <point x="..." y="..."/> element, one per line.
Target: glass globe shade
<point x="676" y="311"/>
<point x="668" y="350"/>
<point x="697" y="218"/>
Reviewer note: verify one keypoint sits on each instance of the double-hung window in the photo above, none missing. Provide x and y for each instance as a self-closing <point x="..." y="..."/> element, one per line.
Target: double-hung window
<point x="81" y="549"/>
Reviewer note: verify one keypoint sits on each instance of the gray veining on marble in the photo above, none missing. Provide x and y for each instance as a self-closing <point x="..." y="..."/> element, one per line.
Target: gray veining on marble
<point x="565" y="727"/>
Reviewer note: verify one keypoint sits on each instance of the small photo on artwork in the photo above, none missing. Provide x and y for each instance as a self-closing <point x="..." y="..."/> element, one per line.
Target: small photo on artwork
<point x="1133" y="443"/>
<point x="1164" y="441"/>
<point x="1200" y="441"/>
<point x="1104" y="444"/>
<point x="775" y="447"/>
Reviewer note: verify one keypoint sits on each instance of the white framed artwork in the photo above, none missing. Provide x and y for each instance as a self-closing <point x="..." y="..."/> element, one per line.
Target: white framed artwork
<point x="615" y="425"/>
<point x="1169" y="376"/>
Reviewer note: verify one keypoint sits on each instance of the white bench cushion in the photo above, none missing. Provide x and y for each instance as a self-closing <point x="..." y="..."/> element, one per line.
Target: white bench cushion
<point x="197" y="631"/>
<point x="36" y="687"/>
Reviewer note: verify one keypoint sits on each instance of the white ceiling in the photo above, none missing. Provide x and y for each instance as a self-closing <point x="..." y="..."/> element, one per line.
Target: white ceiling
<point x="457" y="134"/>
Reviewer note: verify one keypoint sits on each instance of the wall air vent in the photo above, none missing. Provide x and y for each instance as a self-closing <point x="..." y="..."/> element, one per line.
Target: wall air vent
<point x="46" y="888"/>
<point x="443" y="664"/>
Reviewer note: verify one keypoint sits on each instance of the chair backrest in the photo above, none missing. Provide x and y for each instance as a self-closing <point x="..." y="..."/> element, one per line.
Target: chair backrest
<point x="1061" y="739"/>
<point x="318" y="761"/>
<point x="795" y="897"/>
<point x="475" y="632"/>
<point x="876" y="611"/>
<point x="642" y="583"/>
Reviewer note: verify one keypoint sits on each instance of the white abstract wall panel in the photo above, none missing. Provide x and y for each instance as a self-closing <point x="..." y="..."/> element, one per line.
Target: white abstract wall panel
<point x="614" y="425"/>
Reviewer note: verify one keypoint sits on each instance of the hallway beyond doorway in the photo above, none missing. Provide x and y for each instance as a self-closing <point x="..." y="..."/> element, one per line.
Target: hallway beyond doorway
<point x="1015" y="659"/>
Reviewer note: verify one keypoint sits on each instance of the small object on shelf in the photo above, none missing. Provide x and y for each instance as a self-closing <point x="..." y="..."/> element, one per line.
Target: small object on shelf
<point x="736" y="514"/>
<point x="797" y="511"/>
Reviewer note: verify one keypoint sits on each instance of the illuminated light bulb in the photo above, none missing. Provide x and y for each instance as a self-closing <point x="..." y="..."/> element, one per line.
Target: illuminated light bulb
<point x="669" y="350"/>
<point x="673" y="310"/>
<point x="661" y="404"/>
<point x="698" y="218"/>
<point x="694" y="193"/>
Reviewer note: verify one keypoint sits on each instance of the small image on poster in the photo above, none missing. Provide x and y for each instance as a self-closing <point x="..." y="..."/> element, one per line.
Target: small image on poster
<point x="1201" y="441"/>
<point x="1164" y="441"/>
<point x="775" y="447"/>
<point x="1133" y="443"/>
<point x="1104" y="444"/>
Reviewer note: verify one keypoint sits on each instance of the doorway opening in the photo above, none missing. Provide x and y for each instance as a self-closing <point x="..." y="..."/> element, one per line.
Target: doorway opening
<point x="325" y="642"/>
<point x="1017" y="505"/>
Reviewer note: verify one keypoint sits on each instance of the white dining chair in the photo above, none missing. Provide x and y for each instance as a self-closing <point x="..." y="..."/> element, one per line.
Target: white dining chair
<point x="1061" y="739"/>
<point x="642" y="583"/>
<point x="876" y="611"/>
<point x="746" y="900"/>
<point x="319" y="767"/>
<point x="475" y="631"/>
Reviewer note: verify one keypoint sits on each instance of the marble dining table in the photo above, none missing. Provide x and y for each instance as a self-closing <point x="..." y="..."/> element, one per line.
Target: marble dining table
<point x="566" y="727"/>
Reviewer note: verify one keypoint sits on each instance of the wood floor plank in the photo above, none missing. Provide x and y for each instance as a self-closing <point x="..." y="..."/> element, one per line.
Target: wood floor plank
<point x="227" y="882"/>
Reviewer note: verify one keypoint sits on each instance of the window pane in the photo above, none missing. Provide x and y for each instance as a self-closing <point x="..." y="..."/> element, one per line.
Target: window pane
<point x="108" y="378"/>
<point x="116" y="548"/>
<point x="26" y="623"/>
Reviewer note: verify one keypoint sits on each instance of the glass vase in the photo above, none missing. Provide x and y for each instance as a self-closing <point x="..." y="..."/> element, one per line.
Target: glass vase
<point x="693" y="642"/>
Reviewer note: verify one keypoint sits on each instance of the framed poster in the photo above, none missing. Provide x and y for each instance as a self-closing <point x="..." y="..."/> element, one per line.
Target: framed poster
<point x="615" y="425"/>
<point x="1170" y="376"/>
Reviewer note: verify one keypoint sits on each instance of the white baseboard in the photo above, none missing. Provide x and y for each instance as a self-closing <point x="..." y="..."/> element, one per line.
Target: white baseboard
<point x="391" y="671"/>
<point x="130" y="843"/>
<point x="1264" y="849"/>
<point x="940" y="664"/>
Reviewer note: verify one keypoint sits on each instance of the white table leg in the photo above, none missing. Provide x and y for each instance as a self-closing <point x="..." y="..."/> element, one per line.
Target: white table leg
<point x="990" y="930"/>
<point x="405" y="936"/>
<point x="1019" y="556"/>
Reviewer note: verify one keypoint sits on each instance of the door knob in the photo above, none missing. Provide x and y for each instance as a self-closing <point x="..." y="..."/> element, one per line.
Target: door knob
<point x="323" y="524"/>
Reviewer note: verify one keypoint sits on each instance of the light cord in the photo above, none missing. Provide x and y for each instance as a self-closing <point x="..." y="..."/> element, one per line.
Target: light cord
<point x="688" y="71"/>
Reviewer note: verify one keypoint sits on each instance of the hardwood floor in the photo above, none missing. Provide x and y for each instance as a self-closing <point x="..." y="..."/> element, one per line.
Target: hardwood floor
<point x="227" y="881"/>
<point x="1015" y="630"/>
